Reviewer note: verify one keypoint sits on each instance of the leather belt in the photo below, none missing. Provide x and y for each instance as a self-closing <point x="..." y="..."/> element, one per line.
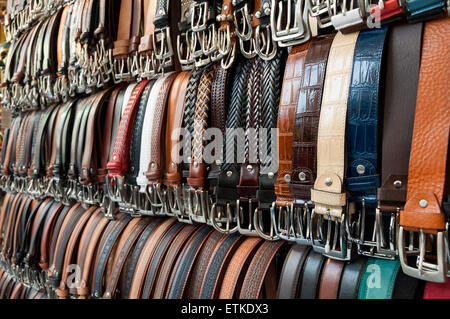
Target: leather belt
<point x="362" y="175"/>
<point x="328" y="192"/>
<point x="402" y="74"/>
<point x="423" y="212"/>
<point x="293" y="77"/>
<point x="296" y="221"/>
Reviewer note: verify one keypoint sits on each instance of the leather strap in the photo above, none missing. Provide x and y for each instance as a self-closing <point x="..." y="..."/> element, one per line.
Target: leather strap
<point x="402" y="75"/>
<point x="170" y="261"/>
<point x="331" y="278"/>
<point x="155" y="170"/>
<point x="293" y="77"/>
<point x="328" y="192"/>
<point x="434" y="290"/>
<point x="306" y="125"/>
<point x="351" y="278"/>
<point x="312" y="270"/>
<point x="118" y="164"/>
<point x="423" y="209"/>
<point x="291" y="273"/>
<point x="236" y="268"/>
<point x="258" y="269"/>
<point x="218" y="263"/>
<point x="185" y="263"/>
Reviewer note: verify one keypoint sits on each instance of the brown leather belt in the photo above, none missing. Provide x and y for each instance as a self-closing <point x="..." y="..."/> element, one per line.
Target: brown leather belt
<point x="293" y="77"/>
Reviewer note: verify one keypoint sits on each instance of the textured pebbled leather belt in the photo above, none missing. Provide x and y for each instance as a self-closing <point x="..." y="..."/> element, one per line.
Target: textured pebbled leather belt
<point x="402" y="73"/>
<point x="423" y="212"/>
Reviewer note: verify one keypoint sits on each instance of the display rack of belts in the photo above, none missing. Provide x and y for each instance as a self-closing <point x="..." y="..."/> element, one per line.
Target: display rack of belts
<point x="225" y="149"/>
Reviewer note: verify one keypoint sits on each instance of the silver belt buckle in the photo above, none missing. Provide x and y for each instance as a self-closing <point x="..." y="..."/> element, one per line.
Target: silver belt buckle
<point x="302" y="222"/>
<point x="157" y="198"/>
<point x="176" y="204"/>
<point x="223" y="218"/>
<point x="380" y="245"/>
<point x="183" y="49"/>
<point x="199" y="16"/>
<point x="199" y="205"/>
<point x="267" y="233"/>
<point x="242" y="23"/>
<point x="244" y="229"/>
<point x="338" y="247"/>
<point x="424" y="270"/>
<point x="265" y="46"/>
<point x="162" y="44"/>
<point x="296" y="29"/>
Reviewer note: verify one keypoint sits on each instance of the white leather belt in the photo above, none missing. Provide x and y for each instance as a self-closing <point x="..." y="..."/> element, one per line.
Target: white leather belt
<point x="328" y="193"/>
<point x="146" y="134"/>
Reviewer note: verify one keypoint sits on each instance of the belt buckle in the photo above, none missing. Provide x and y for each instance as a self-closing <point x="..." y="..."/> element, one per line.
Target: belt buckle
<point x="242" y="23"/>
<point x="377" y="246"/>
<point x="321" y="239"/>
<point x="108" y="207"/>
<point x="258" y="222"/>
<point x="321" y="10"/>
<point x="301" y="219"/>
<point x="157" y="199"/>
<point x="251" y="51"/>
<point x="435" y="272"/>
<point x="88" y="192"/>
<point x="162" y="44"/>
<point x="176" y="204"/>
<point x="224" y="214"/>
<point x="113" y="187"/>
<point x="199" y="16"/>
<point x="147" y="65"/>
<point x="296" y="29"/>
<point x="198" y="205"/>
<point x="183" y="49"/>
<point x="265" y="46"/>
<point x="121" y="69"/>
<point x="209" y="40"/>
<point x="248" y="229"/>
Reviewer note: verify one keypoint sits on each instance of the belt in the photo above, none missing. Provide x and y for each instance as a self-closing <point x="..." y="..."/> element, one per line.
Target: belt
<point x="304" y="144"/>
<point x="198" y="196"/>
<point x="223" y="212"/>
<point x="155" y="170"/>
<point x="293" y="77"/>
<point x="423" y="212"/>
<point x="173" y="178"/>
<point x="262" y="270"/>
<point x="288" y="287"/>
<point x="179" y="279"/>
<point x="425" y="10"/>
<point x="362" y="176"/>
<point x="235" y="270"/>
<point x="327" y="194"/>
<point x="401" y="74"/>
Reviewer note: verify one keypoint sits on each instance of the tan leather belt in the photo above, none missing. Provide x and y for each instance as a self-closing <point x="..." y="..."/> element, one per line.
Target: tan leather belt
<point x="423" y="212"/>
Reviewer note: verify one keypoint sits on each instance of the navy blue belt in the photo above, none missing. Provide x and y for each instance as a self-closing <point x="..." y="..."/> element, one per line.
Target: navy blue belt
<point x="362" y="178"/>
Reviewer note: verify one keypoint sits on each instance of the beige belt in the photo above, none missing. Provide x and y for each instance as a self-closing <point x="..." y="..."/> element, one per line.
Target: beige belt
<point x="328" y="193"/>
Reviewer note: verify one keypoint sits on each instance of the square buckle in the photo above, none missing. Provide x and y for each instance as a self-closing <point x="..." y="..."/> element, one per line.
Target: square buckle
<point x="223" y="218"/>
<point x="339" y="248"/>
<point x="380" y="245"/>
<point x="436" y="272"/>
